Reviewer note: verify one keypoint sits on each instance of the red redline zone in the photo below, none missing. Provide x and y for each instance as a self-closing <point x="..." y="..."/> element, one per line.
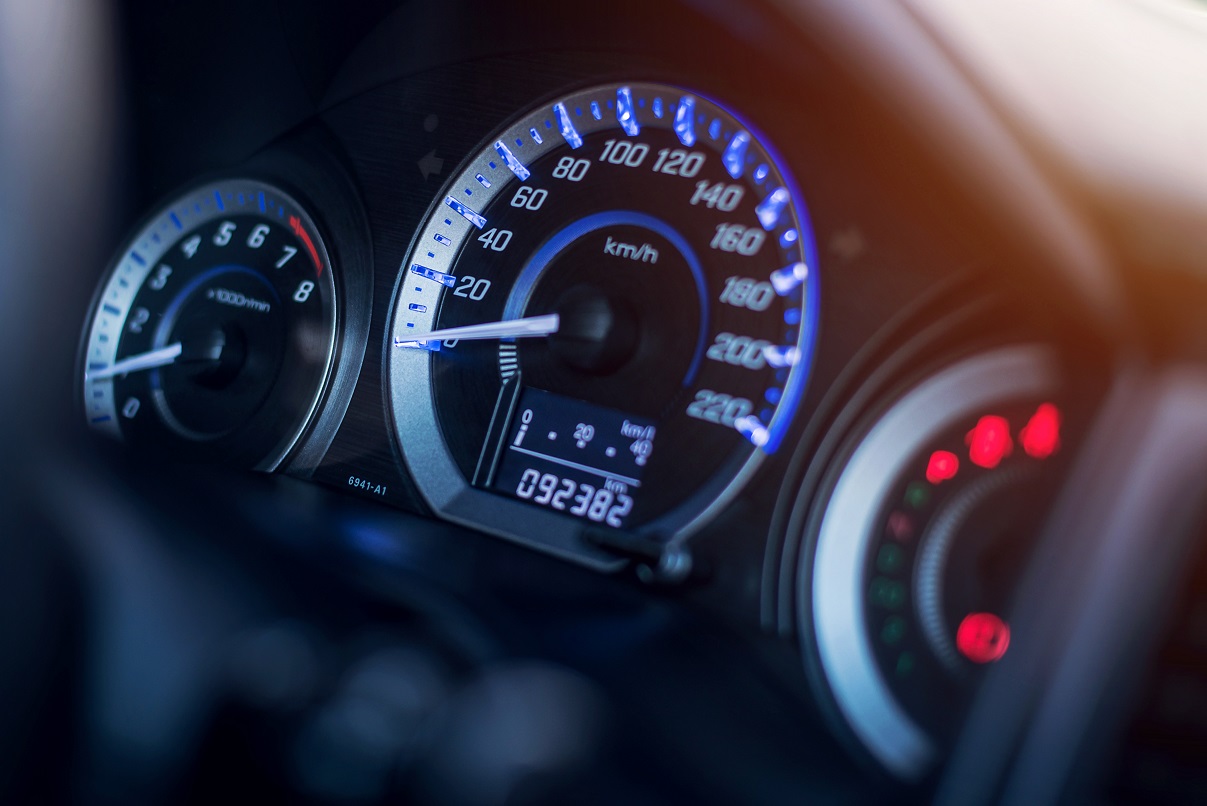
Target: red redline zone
<point x="296" y="223"/>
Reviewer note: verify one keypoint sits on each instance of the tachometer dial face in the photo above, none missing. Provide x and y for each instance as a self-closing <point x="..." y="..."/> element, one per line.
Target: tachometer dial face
<point x="213" y="335"/>
<point x="606" y="321"/>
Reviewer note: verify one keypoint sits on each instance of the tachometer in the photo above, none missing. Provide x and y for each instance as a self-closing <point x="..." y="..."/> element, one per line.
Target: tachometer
<point x="213" y="335"/>
<point x="606" y="321"/>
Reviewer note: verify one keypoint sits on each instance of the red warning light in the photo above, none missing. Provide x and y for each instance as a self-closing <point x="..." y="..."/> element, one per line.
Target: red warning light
<point x="1041" y="435"/>
<point x="983" y="637"/>
<point x="989" y="442"/>
<point x="943" y="465"/>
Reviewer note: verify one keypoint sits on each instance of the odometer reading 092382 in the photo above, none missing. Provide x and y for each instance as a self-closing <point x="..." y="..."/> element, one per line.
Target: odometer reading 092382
<point x="605" y="322"/>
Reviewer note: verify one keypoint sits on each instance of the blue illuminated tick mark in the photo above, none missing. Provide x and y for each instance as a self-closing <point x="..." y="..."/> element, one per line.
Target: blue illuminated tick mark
<point x="137" y="258"/>
<point x="432" y="274"/>
<point x="110" y="309"/>
<point x="483" y="181"/>
<point x="418" y="289"/>
<point x="262" y="205"/>
<point x="448" y="221"/>
<point x="714" y="129"/>
<point x="772" y="207"/>
<point x="155" y="237"/>
<point x="626" y="115"/>
<point x="176" y="220"/>
<point x="536" y="136"/>
<point x="513" y="164"/>
<point x="788" y="238"/>
<point x="657" y="106"/>
<point x="792" y="316"/>
<point x="218" y="201"/>
<point x="595" y="113"/>
<point x="611" y="104"/>
<point x="441" y="239"/>
<point x="773" y="395"/>
<point x="760" y="173"/>
<point x="242" y="201"/>
<point x="493" y="166"/>
<point x="197" y="207"/>
<point x="281" y="213"/>
<point x="468" y="213"/>
<point x="104" y="419"/>
<point x="123" y="282"/>
<point x="766" y="415"/>
<point x="566" y="127"/>
<point x="734" y="158"/>
<point x="683" y="125"/>
<point x="431" y="254"/>
<point x="417" y="308"/>
<point x="548" y="124"/>
<point x="519" y="143"/>
<point x="578" y="110"/>
<point x="468" y="192"/>
<point x="104" y="337"/>
<point x="787" y="280"/>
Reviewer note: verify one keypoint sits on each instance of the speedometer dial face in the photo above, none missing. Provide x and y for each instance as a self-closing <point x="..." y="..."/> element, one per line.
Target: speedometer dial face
<point x="213" y="335"/>
<point x="606" y="321"/>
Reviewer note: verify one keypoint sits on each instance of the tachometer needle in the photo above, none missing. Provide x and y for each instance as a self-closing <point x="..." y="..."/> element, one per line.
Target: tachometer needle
<point x="136" y="363"/>
<point x="529" y="327"/>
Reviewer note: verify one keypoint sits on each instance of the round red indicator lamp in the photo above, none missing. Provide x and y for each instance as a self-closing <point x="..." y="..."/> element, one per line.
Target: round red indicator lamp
<point x="983" y="637"/>
<point x="943" y="465"/>
<point x="989" y="442"/>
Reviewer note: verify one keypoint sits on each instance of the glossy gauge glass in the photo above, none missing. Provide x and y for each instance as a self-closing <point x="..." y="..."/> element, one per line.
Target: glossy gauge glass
<point x="637" y="275"/>
<point x="920" y="546"/>
<point x="213" y="335"/>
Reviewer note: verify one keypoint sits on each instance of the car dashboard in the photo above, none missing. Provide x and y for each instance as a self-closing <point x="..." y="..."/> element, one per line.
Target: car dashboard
<point x="473" y="403"/>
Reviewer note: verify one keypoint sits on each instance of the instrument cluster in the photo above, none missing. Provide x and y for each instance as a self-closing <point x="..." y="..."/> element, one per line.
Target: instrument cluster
<point x="615" y="309"/>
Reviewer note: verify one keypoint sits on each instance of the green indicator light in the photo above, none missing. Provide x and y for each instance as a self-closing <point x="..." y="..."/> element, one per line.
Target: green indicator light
<point x="887" y="593"/>
<point x="917" y="495"/>
<point x="905" y="664"/>
<point x="890" y="559"/>
<point x="893" y="631"/>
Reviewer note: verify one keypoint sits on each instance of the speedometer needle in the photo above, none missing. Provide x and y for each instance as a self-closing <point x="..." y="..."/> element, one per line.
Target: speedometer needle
<point x="530" y="327"/>
<point x="136" y="363"/>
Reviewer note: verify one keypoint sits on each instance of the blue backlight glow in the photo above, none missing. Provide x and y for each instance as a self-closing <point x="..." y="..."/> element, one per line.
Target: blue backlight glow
<point x="470" y="215"/>
<point x="512" y="163"/>
<point x="626" y="114"/>
<point x="734" y="158"/>
<point x="685" y="121"/>
<point x="772" y="207"/>
<point x="436" y="276"/>
<point x="566" y="127"/>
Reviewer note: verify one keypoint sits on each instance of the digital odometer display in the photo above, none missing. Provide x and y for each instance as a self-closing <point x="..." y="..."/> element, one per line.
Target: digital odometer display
<point x="630" y="253"/>
<point x="574" y="457"/>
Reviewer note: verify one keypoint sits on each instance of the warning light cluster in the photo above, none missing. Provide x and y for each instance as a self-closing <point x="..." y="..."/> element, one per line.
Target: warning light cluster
<point x="990" y="441"/>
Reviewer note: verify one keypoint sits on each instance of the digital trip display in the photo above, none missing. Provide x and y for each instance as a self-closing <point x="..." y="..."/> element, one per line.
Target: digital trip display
<point x="575" y="457"/>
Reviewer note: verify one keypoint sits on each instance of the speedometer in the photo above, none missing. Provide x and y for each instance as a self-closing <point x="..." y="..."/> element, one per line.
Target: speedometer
<point x="606" y="321"/>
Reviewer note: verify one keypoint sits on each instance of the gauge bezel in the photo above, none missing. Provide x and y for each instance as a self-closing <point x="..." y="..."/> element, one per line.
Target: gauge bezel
<point x="831" y="608"/>
<point x="416" y="423"/>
